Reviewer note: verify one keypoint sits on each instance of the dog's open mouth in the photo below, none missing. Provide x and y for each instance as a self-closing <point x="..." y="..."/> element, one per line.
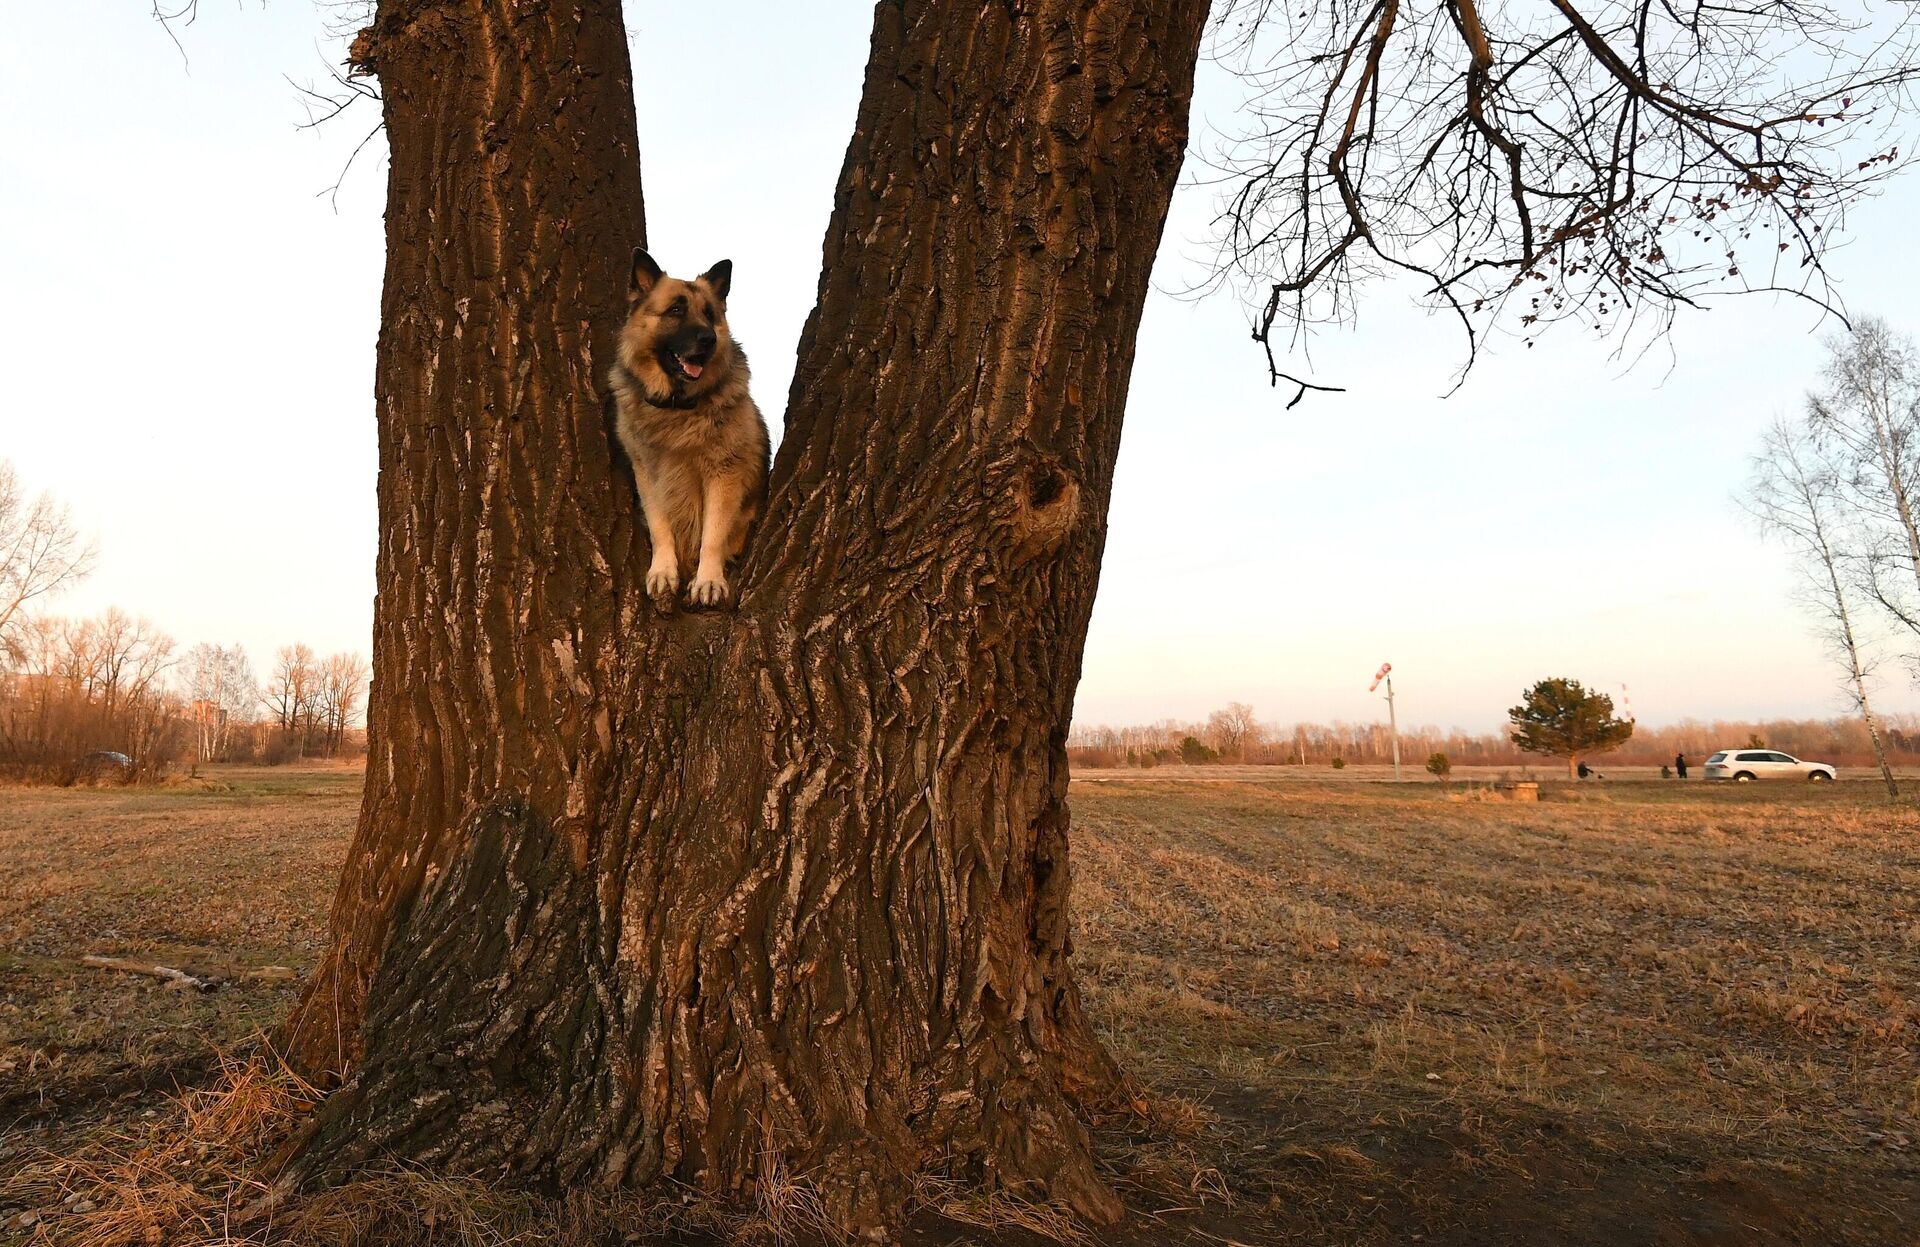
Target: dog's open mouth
<point x="686" y="368"/>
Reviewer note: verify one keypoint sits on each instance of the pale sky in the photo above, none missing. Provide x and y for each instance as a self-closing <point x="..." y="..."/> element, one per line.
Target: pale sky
<point x="189" y="324"/>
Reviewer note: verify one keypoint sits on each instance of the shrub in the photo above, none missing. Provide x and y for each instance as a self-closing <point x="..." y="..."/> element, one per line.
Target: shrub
<point x="1195" y="752"/>
<point x="1339" y="764"/>
<point x="1439" y="766"/>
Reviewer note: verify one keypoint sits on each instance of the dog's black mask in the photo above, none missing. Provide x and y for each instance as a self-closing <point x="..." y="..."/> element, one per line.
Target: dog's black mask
<point x="685" y="353"/>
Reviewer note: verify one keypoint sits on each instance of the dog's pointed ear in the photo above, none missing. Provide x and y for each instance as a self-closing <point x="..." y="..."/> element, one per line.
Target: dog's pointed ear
<point x="720" y="278"/>
<point x="645" y="273"/>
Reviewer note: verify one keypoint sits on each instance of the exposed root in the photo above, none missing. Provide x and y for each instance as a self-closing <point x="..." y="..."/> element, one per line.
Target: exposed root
<point x="198" y="1175"/>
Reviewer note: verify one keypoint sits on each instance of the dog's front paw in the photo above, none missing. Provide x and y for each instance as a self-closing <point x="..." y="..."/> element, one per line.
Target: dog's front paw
<point x="709" y="591"/>
<point x="663" y="583"/>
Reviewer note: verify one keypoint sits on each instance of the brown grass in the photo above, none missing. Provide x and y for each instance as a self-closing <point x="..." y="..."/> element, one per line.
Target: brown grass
<point x="1368" y="1014"/>
<point x="1668" y="990"/>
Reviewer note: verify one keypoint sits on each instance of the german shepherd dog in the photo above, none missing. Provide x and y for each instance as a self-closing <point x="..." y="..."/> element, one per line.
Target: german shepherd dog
<point x="697" y="442"/>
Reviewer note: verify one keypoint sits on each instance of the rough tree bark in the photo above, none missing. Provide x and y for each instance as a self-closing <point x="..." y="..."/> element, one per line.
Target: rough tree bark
<point x="633" y="897"/>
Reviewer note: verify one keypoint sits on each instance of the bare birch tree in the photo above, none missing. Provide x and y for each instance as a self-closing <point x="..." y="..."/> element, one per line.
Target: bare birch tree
<point x="1867" y="421"/>
<point x="1796" y="494"/>
<point x="41" y="552"/>
<point x="220" y="682"/>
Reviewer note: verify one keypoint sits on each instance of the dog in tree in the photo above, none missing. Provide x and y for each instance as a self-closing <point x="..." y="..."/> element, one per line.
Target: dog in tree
<point x="697" y="441"/>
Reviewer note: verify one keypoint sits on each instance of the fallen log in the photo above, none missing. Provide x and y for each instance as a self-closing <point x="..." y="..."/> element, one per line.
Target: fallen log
<point x="172" y="976"/>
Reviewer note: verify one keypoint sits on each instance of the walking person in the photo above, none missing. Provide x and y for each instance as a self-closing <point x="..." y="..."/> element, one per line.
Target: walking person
<point x="1680" y="765"/>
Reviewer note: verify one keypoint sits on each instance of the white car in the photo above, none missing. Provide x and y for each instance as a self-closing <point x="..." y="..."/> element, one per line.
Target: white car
<point x="1746" y="765"/>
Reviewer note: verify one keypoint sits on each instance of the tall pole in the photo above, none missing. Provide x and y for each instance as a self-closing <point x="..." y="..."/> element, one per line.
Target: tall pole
<point x="1393" y="723"/>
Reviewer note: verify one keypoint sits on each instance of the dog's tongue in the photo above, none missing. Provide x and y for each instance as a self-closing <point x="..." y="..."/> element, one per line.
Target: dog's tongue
<point x="692" y="369"/>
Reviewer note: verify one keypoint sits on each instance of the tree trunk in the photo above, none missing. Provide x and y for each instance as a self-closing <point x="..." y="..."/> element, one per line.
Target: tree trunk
<point x="1873" y="734"/>
<point x="1856" y="670"/>
<point x="634" y="898"/>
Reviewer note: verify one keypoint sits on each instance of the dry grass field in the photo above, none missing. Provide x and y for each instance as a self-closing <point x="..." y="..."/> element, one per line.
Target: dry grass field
<point x="1634" y="1013"/>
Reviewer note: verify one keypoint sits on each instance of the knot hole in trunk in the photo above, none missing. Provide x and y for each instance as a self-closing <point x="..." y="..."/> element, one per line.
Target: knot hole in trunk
<point x="1049" y="502"/>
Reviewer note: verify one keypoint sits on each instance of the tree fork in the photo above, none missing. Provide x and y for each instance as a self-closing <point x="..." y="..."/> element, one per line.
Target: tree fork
<point x="635" y="898"/>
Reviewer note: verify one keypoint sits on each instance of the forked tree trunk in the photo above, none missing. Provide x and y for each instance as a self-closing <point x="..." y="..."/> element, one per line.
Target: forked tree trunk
<point x="636" y="897"/>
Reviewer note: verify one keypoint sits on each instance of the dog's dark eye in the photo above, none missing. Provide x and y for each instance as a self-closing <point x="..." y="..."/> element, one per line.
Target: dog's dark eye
<point x="709" y="310"/>
<point x="678" y="309"/>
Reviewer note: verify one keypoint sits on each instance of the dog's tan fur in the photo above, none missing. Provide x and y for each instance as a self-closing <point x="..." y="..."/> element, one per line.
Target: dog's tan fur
<point x="699" y="447"/>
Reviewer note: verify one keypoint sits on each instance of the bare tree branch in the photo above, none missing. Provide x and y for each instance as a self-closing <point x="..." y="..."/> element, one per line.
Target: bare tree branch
<point x="344" y="90"/>
<point x="1606" y="162"/>
<point x="185" y="14"/>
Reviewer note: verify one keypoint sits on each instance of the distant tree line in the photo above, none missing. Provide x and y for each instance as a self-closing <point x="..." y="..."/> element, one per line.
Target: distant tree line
<point x="1235" y="736"/>
<point x="74" y="687"/>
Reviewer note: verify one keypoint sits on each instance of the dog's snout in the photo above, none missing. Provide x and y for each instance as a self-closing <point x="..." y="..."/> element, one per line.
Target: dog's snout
<point x="693" y="342"/>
